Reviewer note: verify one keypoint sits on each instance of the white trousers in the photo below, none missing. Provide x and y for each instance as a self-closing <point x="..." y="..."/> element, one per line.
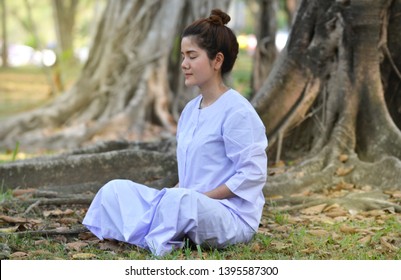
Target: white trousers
<point x="159" y="220"/>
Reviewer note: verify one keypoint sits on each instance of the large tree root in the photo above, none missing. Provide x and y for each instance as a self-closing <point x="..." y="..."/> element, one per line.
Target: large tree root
<point x="153" y="164"/>
<point x="46" y="233"/>
<point x="325" y="170"/>
<point x="76" y="200"/>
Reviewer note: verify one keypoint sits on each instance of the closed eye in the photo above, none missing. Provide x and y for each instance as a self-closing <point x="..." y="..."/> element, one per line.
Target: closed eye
<point x="191" y="54"/>
<point x="190" y="57"/>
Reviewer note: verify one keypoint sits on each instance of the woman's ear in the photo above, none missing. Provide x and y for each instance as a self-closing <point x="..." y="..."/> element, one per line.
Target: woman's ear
<point x="218" y="61"/>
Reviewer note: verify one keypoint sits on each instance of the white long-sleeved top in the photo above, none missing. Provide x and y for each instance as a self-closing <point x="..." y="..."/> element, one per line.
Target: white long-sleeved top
<point x="224" y="143"/>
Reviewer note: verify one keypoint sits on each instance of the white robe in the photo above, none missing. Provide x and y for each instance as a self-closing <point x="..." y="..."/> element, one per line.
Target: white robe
<point x="223" y="143"/>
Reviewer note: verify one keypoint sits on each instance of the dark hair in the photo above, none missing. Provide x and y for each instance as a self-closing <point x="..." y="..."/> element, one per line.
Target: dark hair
<point x="212" y="35"/>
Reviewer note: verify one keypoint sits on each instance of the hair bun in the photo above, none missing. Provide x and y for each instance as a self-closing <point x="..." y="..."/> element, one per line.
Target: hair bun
<point x="218" y="17"/>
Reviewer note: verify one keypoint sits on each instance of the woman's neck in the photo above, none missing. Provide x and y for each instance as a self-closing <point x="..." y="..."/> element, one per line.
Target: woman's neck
<point x="211" y="94"/>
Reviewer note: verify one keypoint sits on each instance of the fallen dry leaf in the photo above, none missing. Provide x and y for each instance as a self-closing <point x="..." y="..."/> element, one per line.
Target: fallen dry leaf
<point x="22" y="223"/>
<point x="280" y="245"/>
<point x="348" y="229"/>
<point x="110" y="245"/>
<point x="314" y="209"/>
<point x="396" y="194"/>
<point x="256" y="248"/>
<point x="60" y="238"/>
<point x="20" y="192"/>
<point x="42" y="242"/>
<point x="340" y="219"/>
<point x="336" y="236"/>
<point x="68" y="221"/>
<point x="308" y="250"/>
<point x="86" y="235"/>
<point x="328" y="221"/>
<point x="62" y="229"/>
<point x="294" y="220"/>
<point x="332" y="207"/>
<point x="9" y="229"/>
<point x="334" y="211"/>
<point x="393" y="193"/>
<point x="337" y="213"/>
<point x="373" y="213"/>
<point x="83" y="256"/>
<point x="14" y="220"/>
<point x="280" y="228"/>
<point x="342" y="171"/>
<point x="58" y="212"/>
<point x="343" y="157"/>
<point x="265" y="231"/>
<point x="40" y="253"/>
<point x="388" y="245"/>
<point x="18" y="255"/>
<point x="77" y="246"/>
<point x="365" y="240"/>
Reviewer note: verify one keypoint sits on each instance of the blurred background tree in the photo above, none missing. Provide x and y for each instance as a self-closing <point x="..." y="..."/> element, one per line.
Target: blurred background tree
<point x="130" y="86"/>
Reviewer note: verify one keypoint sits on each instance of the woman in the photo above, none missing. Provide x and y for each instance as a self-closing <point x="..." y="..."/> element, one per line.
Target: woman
<point x="221" y="156"/>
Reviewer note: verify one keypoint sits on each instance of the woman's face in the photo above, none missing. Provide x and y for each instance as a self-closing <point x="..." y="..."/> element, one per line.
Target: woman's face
<point x="198" y="69"/>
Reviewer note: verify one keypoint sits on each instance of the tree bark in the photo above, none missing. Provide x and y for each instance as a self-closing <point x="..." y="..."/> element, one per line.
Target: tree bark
<point x="266" y="51"/>
<point x="83" y="170"/>
<point x="325" y="101"/>
<point x="64" y="13"/>
<point x="64" y="18"/>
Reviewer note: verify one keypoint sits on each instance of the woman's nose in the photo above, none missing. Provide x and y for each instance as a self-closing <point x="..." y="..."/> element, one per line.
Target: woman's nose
<point x="184" y="64"/>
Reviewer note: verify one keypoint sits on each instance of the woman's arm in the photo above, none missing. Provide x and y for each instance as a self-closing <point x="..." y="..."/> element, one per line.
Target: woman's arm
<point x="221" y="192"/>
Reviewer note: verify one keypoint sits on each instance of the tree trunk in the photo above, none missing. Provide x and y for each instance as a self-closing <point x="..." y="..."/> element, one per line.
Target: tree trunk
<point x="64" y="18"/>
<point x="333" y="97"/>
<point x="266" y="51"/>
<point x="125" y="85"/>
<point x="64" y="21"/>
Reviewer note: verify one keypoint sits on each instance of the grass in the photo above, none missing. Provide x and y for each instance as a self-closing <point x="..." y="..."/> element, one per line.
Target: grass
<point x="5" y="195"/>
<point x="8" y="156"/>
<point x="283" y="236"/>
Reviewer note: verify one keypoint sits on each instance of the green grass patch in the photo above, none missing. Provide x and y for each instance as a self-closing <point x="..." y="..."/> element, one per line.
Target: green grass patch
<point x="282" y="239"/>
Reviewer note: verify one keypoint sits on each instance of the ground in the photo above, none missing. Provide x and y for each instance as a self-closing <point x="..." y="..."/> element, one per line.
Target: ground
<point x="43" y="225"/>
